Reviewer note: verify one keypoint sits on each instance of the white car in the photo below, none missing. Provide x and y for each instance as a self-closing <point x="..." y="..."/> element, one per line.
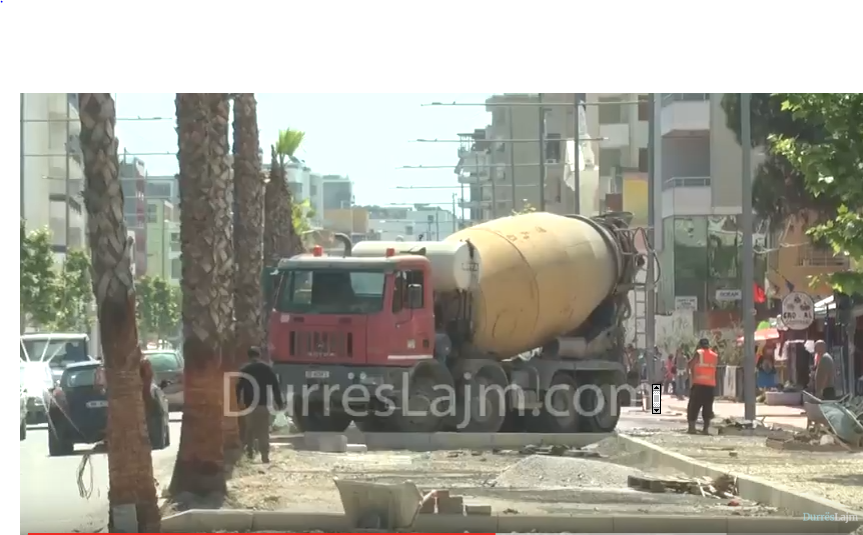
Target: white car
<point x="37" y="380"/>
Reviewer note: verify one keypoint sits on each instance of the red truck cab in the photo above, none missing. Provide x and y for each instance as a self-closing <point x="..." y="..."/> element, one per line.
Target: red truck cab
<point x="340" y="321"/>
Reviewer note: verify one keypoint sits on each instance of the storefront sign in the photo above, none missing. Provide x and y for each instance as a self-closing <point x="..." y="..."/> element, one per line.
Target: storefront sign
<point x="729" y="295"/>
<point x="686" y="302"/>
<point x="798" y="311"/>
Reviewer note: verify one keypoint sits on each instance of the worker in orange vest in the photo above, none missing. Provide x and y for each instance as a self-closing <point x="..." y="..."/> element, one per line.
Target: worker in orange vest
<point x="702" y="369"/>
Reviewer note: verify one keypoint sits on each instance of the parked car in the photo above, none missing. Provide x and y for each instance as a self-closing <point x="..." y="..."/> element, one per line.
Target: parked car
<point x="168" y="374"/>
<point x="57" y="349"/>
<point x="78" y="411"/>
<point x="38" y="381"/>
<point x="22" y="394"/>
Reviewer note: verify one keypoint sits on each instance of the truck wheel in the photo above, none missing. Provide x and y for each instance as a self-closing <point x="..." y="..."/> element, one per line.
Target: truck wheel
<point x="606" y="418"/>
<point x="415" y="413"/>
<point x="482" y="408"/>
<point x="318" y="421"/>
<point x="558" y="413"/>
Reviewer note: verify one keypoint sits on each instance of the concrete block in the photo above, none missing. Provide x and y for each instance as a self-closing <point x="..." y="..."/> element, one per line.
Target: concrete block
<point x="453" y="505"/>
<point x="284" y="521"/>
<point x="479" y="510"/>
<point x="554" y="523"/>
<point x="428" y="507"/>
<point x="326" y="442"/>
<point x="221" y="520"/>
<point x="357" y="448"/>
<point x="441" y="494"/>
<point x="455" y="524"/>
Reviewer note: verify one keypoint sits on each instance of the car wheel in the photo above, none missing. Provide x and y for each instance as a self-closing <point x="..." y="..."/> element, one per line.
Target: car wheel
<point x="57" y="446"/>
<point x="23" y="429"/>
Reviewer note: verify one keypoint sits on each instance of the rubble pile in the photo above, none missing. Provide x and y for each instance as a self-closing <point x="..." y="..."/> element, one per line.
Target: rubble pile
<point x="831" y="426"/>
<point x="724" y="486"/>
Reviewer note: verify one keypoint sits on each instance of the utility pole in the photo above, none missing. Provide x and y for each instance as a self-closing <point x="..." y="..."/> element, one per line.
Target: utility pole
<point x="654" y="172"/>
<point x="576" y="171"/>
<point x="541" y="155"/>
<point x="67" y="184"/>
<point x="491" y="173"/>
<point x="23" y="174"/>
<point x="747" y="291"/>
<point x="454" y="218"/>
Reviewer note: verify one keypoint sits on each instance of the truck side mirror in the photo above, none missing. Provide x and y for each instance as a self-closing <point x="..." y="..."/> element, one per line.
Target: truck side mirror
<point x="415" y="296"/>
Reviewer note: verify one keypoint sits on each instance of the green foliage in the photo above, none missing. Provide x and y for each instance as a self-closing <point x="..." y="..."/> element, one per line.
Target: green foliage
<point x="526" y="209"/>
<point x="778" y="189"/>
<point x="301" y="213"/>
<point x="75" y="294"/>
<point x="832" y="168"/>
<point x="288" y="143"/>
<point x="39" y="281"/>
<point x="158" y="307"/>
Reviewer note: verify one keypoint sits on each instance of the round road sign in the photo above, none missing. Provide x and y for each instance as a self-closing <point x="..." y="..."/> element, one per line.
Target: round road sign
<point x="798" y="311"/>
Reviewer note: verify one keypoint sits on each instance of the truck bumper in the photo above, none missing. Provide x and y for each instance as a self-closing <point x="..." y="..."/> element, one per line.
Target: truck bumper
<point x="333" y="381"/>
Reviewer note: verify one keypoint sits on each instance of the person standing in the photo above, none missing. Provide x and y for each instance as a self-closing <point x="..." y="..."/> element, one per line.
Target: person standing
<point x="825" y="372"/>
<point x="680" y="363"/>
<point x="257" y="391"/>
<point x="702" y="368"/>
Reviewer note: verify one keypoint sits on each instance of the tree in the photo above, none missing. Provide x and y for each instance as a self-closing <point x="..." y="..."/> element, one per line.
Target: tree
<point x="74" y="294"/>
<point x="301" y="213"/>
<point x="248" y="240"/>
<point x="280" y="237"/>
<point x="778" y="189"/>
<point x="207" y="270"/>
<point x="158" y="310"/>
<point x="831" y="166"/>
<point x="38" y="278"/>
<point x="130" y="465"/>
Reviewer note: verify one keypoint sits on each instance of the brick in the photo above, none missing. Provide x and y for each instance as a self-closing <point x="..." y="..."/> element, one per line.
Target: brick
<point x="478" y="510"/>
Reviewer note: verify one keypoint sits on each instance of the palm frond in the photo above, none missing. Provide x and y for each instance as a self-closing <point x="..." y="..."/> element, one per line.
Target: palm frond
<point x="289" y="142"/>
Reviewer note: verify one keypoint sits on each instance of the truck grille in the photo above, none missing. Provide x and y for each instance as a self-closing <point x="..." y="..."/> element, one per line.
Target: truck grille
<point x="321" y="344"/>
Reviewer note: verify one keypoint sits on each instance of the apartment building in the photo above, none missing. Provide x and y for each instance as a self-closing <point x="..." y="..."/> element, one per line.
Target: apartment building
<point x="420" y="221"/>
<point x="337" y="192"/>
<point x="164" y="188"/>
<point x="503" y="176"/>
<point x="163" y="241"/>
<point x="133" y="181"/>
<point x="52" y="174"/>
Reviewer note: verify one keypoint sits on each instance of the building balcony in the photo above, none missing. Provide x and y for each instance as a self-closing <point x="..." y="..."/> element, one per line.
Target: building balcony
<point x="469" y="204"/>
<point x="686" y="196"/>
<point x="473" y="178"/>
<point x="617" y="135"/>
<point x="685" y="113"/>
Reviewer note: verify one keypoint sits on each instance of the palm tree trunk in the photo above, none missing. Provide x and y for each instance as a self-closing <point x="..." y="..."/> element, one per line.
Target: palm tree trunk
<point x="205" y="235"/>
<point x="272" y="216"/>
<point x="248" y="233"/>
<point x="130" y="466"/>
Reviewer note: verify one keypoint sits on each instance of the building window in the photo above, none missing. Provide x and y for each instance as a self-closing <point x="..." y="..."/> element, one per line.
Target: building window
<point x="643" y="160"/>
<point x="609" y="160"/>
<point x="313" y="190"/>
<point x="176" y="269"/>
<point x="610" y="110"/>
<point x="552" y="147"/>
<point x="816" y="256"/>
<point x="409" y="230"/>
<point x="643" y="108"/>
<point x="151" y="213"/>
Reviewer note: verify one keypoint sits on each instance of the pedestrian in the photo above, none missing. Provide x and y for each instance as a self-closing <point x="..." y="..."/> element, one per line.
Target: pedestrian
<point x="825" y="372"/>
<point x="680" y="364"/>
<point x="702" y="367"/>
<point x="258" y="391"/>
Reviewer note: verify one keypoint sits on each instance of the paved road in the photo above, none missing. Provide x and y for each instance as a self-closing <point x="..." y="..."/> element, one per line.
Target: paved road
<point x="50" y="502"/>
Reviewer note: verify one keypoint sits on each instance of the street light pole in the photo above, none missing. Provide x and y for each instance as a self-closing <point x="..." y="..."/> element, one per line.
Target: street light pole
<point x="511" y="150"/>
<point x="654" y="171"/>
<point x="576" y="170"/>
<point x="747" y="291"/>
<point x="454" y="218"/>
<point x="68" y="178"/>
<point x="541" y="155"/>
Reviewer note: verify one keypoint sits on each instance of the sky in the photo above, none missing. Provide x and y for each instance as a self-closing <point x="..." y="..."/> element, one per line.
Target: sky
<point x="364" y="136"/>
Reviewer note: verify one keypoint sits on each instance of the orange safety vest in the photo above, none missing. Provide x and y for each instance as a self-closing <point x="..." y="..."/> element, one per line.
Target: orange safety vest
<point x="704" y="371"/>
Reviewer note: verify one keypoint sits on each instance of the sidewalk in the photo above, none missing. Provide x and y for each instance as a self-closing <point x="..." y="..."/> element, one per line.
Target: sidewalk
<point x="772" y="414"/>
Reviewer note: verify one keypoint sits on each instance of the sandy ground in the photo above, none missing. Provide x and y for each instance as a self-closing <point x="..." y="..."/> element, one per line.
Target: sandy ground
<point x="836" y="476"/>
<point x="512" y="483"/>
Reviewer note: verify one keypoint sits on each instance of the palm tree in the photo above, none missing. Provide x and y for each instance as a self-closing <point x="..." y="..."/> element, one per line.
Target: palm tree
<point x="207" y="273"/>
<point x="280" y="237"/>
<point x="248" y="237"/>
<point x="130" y="466"/>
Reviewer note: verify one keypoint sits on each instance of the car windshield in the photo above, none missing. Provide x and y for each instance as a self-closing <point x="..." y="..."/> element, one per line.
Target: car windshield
<point x="57" y="352"/>
<point x="78" y="377"/>
<point x="332" y="291"/>
<point x="164" y="361"/>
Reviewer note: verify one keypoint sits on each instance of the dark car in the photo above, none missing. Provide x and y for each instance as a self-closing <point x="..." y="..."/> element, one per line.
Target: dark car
<point x="167" y="367"/>
<point x="78" y="412"/>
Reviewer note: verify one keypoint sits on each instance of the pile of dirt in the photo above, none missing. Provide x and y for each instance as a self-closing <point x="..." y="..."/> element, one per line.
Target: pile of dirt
<point x="542" y="471"/>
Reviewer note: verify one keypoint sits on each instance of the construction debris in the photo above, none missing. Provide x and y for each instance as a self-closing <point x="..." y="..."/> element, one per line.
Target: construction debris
<point x="757" y="428"/>
<point x="558" y="451"/>
<point x="724" y="486"/>
<point x="831" y="426"/>
<point x="442" y="503"/>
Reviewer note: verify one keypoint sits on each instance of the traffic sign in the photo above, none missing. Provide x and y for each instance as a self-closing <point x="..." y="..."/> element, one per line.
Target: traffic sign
<point x="798" y="311"/>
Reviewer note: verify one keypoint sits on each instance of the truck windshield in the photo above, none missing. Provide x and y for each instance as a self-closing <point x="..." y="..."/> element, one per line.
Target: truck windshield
<point x="332" y="291"/>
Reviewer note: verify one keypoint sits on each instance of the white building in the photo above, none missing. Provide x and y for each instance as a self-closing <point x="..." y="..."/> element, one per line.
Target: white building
<point x="432" y="223"/>
<point x="52" y="175"/>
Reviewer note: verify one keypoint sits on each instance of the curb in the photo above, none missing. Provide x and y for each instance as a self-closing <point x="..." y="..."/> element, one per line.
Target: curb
<point x="198" y="521"/>
<point x="749" y="488"/>
<point x="453" y="441"/>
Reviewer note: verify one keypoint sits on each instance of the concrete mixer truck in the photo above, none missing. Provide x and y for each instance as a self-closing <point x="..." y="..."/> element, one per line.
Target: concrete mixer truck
<point x="511" y="325"/>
